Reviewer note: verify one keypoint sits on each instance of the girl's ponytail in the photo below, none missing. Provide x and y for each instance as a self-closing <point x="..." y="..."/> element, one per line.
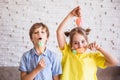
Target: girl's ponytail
<point x="67" y="33"/>
<point x="87" y="31"/>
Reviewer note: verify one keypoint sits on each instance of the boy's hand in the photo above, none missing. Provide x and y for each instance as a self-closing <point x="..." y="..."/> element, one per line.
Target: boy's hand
<point x="93" y="46"/>
<point x="41" y="65"/>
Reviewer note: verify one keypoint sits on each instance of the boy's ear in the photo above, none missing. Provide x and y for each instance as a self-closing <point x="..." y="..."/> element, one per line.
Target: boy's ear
<point x="47" y="39"/>
<point x="31" y="39"/>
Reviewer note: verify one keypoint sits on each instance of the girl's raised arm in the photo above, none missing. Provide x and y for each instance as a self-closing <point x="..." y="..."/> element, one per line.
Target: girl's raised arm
<point x="60" y="31"/>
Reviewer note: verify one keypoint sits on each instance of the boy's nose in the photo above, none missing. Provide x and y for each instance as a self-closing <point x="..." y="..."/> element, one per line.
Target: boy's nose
<point x="39" y="34"/>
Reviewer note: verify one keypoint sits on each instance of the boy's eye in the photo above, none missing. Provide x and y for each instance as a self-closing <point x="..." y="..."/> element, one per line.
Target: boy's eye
<point x="42" y="31"/>
<point x="36" y="32"/>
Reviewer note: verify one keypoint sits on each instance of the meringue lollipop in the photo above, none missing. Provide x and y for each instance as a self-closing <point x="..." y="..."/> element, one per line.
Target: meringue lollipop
<point x="41" y="47"/>
<point x="80" y="50"/>
<point x="74" y="51"/>
<point x="40" y="44"/>
<point x="78" y="21"/>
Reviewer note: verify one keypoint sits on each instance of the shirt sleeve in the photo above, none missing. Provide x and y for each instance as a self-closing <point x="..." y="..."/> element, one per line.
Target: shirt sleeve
<point x="66" y="50"/>
<point x="100" y="60"/>
<point x="56" y="65"/>
<point x="22" y="66"/>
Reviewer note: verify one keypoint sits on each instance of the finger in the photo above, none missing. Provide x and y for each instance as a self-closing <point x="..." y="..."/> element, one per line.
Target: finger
<point x="79" y="13"/>
<point x="92" y="45"/>
<point x="89" y="46"/>
<point x="42" y="60"/>
<point x="95" y="45"/>
<point x="42" y="64"/>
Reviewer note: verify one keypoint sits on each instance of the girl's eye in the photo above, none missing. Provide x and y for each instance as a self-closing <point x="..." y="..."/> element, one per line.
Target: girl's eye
<point x="83" y="41"/>
<point x="75" y="42"/>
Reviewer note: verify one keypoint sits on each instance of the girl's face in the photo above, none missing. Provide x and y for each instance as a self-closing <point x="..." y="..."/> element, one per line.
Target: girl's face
<point x="39" y="35"/>
<point x="79" y="41"/>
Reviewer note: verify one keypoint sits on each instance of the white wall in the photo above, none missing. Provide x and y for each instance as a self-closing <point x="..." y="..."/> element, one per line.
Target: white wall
<point x="17" y="16"/>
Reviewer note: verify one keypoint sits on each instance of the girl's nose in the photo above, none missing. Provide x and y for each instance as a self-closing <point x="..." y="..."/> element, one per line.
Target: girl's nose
<point x="80" y="45"/>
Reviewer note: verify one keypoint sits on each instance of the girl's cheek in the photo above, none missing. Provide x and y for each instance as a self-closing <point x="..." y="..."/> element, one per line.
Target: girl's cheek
<point x="86" y="45"/>
<point x="75" y="46"/>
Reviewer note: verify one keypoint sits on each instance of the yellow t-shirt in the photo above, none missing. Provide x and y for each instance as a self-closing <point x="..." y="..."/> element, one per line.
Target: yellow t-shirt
<point x="80" y="66"/>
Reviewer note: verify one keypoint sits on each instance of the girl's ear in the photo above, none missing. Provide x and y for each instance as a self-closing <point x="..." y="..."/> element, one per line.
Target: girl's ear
<point x="87" y="31"/>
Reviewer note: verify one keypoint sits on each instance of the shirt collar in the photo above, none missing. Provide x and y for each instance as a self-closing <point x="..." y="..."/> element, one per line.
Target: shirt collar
<point x="34" y="52"/>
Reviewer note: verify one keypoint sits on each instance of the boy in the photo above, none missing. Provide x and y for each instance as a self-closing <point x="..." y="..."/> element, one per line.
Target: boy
<point x="39" y="63"/>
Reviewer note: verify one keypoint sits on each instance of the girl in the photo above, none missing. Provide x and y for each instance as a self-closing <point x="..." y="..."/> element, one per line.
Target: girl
<point x="76" y="63"/>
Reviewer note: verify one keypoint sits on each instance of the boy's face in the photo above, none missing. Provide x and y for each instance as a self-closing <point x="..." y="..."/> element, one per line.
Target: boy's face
<point x="39" y="35"/>
<point x="79" y="41"/>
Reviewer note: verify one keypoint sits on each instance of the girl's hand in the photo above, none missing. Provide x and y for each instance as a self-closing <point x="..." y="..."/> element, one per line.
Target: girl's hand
<point x="41" y="65"/>
<point x="93" y="46"/>
<point x="76" y="11"/>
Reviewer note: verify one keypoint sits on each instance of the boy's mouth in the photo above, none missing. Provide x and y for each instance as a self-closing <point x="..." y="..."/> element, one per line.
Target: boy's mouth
<point x="40" y="38"/>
